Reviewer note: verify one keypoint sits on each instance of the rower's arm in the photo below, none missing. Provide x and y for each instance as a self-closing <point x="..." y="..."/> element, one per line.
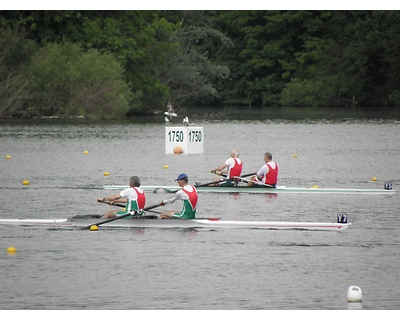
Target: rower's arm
<point x="220" y="168"/>
<point x="177" y="196"/>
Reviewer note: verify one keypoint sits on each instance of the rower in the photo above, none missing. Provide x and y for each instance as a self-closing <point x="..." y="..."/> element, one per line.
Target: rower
<point x="189" y="197"/>
<point x="134" y="198"/>
<point x="267" y="176"/>
<point x="231" y="168"/>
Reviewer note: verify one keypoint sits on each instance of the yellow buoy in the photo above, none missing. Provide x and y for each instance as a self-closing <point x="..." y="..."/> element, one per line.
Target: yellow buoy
<point x="85" y="152"/>
<point x="166" y="167"/>
<point x="106" y="174"/>
<point x="315" y="187"/>
<point x="295" y="156"/>
<point x="25" y="182"/>
<point x="178" y="150"/>
<point x="94" y="228"/>
<point x="374" y="179"/>
<point x="8" y="157"/>
<point x="11" y="250"/>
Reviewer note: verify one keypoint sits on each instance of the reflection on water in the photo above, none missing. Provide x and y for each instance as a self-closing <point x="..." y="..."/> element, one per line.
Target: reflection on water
<point x="354" y="306"/>
<point x="205" y="114"/>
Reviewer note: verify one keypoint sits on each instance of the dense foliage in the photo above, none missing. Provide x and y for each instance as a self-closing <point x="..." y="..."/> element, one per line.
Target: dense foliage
<point x="112" y="64"/>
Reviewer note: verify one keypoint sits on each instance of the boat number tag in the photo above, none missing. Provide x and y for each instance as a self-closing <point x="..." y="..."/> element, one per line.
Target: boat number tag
<point x="342" y="218"/>
<point x="388" y="186"/>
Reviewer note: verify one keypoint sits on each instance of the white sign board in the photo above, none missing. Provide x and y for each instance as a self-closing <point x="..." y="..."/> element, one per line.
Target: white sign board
<point x="184" y="139"/>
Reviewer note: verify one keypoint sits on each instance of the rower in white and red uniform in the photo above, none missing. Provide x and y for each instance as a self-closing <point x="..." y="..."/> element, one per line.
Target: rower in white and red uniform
<point x="134" y="198"/>
<point x="267" y="176"/>
<point x="189" y="197"/>
<point x="233" y="167"/>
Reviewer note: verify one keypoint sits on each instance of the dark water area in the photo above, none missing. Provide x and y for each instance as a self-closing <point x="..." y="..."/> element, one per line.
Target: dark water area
<point x="242" y="113"/>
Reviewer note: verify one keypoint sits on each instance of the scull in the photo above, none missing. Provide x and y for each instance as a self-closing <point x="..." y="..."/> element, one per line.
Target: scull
<point x="263" y="190"/>
<point x="153" y="222"/>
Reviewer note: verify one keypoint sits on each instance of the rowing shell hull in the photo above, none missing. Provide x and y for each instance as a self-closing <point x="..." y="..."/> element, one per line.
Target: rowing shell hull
<point x="175" y="223"/>
<point x="171" y="189"/>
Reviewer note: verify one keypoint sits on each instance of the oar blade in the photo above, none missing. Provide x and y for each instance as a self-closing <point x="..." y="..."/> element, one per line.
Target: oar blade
<point x="165" y="190"/>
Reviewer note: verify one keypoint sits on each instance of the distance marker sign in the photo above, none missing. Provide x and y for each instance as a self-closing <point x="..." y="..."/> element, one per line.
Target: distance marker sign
<point x="184" y="139"/>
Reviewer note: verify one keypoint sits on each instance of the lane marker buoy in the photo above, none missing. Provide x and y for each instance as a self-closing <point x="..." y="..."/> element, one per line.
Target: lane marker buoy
<point x="11" y="250"/>
<point x="106" y="174"/>
<point x="178" y="150"/>
<point x="8" y="157"/>
<point x="25" y="182"/>
<point x="94" y="228"/>
<point x="86" y="152"/>
<point x="374" y="179"/>
<point x="354" y="294"/>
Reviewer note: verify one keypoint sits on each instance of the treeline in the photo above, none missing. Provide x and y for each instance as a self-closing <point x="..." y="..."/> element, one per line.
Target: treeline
<point x="113" y="64"/>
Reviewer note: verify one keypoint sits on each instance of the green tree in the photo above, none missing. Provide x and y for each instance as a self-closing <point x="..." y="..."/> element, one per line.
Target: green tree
<point x="191" y="76"/>
<point x="44" y="26"/>
<point x="142" y="43"/>
<point x="68" y="81"/>
<point x="15" y="55"/>
<point x="139" y="40"/>
<point x="355" y="62"/>
<point x="264" y="53"/>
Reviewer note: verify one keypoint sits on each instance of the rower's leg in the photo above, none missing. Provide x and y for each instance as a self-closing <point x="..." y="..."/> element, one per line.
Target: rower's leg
<point x="110" y="214"/>
<point x="166" y="215"/>
<point x="250" y="183"/>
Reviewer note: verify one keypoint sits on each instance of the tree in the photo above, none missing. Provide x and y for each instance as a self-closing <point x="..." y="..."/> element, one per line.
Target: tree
<point x="68" y="81"/>
<point x="191" y="76"/>
<point x="15" y="55"/>
<point x="355" y="62"/>
<point x="142" y="42"/>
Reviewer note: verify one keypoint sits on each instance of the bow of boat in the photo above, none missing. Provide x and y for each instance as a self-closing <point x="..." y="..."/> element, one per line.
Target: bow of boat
<point x="276" y="225"/>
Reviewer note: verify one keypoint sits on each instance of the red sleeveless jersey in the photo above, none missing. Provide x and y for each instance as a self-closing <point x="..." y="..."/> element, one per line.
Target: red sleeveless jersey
<point x="272" y="176"/>
<point x="236" y="171"/>
<point x="193" y="197"/>
<point x="141" y="198"/>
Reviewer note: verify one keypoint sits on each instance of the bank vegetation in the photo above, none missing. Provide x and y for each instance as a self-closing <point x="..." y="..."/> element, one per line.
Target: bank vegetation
<point x="116" y="64"/>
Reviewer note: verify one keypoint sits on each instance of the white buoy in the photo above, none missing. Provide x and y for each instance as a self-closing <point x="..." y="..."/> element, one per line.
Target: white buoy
<point x="354" y="294"/>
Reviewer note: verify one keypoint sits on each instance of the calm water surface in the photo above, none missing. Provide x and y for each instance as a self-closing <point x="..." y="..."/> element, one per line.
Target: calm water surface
<point x="178" y="269"/>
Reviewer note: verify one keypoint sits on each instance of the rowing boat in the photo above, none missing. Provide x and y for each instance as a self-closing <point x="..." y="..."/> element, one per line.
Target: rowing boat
<point x="279" y="189"/>
<point x="151" y="221"/>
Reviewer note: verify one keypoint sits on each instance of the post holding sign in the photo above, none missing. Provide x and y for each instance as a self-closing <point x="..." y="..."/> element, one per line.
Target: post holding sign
<point x="189" y="139"/>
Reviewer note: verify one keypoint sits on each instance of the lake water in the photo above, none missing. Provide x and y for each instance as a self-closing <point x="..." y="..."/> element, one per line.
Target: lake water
<point x="178" y="269"/>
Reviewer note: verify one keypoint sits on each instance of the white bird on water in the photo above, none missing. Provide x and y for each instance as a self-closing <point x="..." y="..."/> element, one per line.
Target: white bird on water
<point x="186" y="121"/>
<point x="170" y="111"/>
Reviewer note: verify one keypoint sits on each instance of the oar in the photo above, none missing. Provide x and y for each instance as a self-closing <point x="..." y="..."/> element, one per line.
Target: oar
<point x="236" y="177"/>
<point x="222" y="180"/>
<point x="242" y="176"/>
<point x="163" y="190"/>
<point x="157" y="190"/>
<point x="113" y="204"/>
<point x="259" y="183"/>
<point x="120" y="216"/>
<point x="213" y="182"/>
